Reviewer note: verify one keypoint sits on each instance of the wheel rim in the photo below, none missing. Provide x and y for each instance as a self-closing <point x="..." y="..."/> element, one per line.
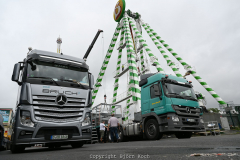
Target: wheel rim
<point x="109" y="137"/>
<point x="119" y="135"/>
<point x="151" y="129"/>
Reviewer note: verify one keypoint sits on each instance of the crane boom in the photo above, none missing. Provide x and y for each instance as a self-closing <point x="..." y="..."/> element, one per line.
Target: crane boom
<point x="91" y="46"/>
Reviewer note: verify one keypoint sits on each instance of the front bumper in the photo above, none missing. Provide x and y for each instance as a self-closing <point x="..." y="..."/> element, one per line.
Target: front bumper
<point x="168" y="125"/>
<point x="43" y="130"/>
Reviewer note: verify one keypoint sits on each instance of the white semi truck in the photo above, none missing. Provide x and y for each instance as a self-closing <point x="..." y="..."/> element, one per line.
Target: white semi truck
<point x="54" y="100"/>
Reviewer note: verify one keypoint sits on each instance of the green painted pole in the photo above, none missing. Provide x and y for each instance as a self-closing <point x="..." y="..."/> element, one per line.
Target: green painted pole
<point x="133" y="72"/>
<point x="142" y="61"/>
<point x="165" y="56"/>
<point x="188" y="67"/>
<point x="145" y="46"/>
<point x="105" y="62"/>
<point x="116" y="84"/>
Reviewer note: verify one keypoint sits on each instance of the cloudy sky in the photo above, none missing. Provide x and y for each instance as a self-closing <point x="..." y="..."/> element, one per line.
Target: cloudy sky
<point x="206" y="34"/>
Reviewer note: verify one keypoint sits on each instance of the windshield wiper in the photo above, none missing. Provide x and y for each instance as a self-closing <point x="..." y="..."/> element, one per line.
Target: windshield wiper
<point x="174" y="94"/>
<point x="68" y="80"/>
<point x="177" y="95"/>
<point x="190" y="97"/>
<point x="46" y="78"/>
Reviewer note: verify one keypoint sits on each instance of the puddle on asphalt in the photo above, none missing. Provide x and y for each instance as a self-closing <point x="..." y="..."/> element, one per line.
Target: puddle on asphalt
<point x="219" y="151"/>
<point x="214" y="155"/>
<point x="218" y="148"/>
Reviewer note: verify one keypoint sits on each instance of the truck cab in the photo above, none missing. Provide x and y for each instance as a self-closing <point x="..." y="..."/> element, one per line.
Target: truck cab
<point x="54" y="100"/>
<point x="1" y="133"/>
<point x="169" y="105"/>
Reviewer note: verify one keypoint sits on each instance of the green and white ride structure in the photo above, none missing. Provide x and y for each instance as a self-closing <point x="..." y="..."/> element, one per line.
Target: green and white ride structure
<point x="139" y="59"/>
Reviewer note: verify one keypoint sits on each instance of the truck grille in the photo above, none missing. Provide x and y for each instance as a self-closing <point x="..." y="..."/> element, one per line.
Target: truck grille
<point x="57" y="120"/>
<point x="186" y="110"/>
<point x="46" y="109"/>
<point x="51" y="100"/>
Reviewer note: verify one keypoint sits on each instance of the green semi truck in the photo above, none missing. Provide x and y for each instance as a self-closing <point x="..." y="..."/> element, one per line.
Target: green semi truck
<point x="168" y="106"/>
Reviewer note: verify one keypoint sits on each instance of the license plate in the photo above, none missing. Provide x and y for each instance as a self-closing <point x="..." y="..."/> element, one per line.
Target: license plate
<point x="38" y="145"/>
<point x="59" y="137"/>
<point x="191" y="120"/>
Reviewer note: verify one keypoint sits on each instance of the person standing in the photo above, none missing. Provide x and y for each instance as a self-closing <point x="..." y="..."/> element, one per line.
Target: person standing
<point x="122" y="67"/>
<point x="113" y="123"/>
<point x="102" y="130"/>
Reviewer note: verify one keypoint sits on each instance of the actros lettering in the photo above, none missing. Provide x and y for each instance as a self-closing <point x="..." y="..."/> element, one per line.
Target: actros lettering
<point x="59" y="92"/>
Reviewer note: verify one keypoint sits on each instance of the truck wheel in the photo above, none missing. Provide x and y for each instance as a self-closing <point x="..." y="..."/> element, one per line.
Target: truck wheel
<point x="152" y="130"/>
<point x="8" y="146"/>
<point x="77" y="145"/>
<point x="17" y="149"/>
<point x="57" y="146"/>
<point x="109" y="137"/>
<point x="51" y="146"/>
<point x="181" y="135"/>
<point x="160" y="136"/>
<point x="2" y="148"/>
<point x="122" y="138"/>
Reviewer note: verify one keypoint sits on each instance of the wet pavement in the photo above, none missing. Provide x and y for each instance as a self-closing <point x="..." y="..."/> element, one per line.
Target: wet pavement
<point x="201" y="147"/>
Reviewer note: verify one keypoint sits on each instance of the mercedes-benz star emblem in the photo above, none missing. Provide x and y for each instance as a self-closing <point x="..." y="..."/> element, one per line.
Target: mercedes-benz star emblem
<point x="188" y="110"/>
<point x="61" y="100"/>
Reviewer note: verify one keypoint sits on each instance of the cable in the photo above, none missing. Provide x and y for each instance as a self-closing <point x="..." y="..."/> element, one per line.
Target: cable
<point x="104" y="82"/>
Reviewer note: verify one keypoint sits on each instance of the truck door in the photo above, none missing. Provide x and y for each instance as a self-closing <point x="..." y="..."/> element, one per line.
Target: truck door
<point x="145" y="96"/>
<point x="157" y="101"/>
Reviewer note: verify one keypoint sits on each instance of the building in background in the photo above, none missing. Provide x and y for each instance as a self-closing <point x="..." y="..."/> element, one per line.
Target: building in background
<point x="7" y="114"/>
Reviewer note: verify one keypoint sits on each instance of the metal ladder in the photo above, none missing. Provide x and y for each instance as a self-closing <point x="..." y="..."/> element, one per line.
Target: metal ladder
<point x="94" y="133"/>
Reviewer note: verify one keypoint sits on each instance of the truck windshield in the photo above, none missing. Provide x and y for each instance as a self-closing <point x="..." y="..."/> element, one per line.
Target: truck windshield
<point x="58" y="72"/>
<point x="179" y="90"/>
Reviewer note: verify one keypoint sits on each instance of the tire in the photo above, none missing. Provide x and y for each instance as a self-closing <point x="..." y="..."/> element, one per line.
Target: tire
<point x="8" y="146"/>
<point x="2" y="148"/>
<point x="17" y="149"/>
<point x="109" y="137"/>
<point x="151" y="130"/>
<point x="51" y="146"/>
<point x="57" y="146"/>
<point x="77" y="145"/>
<point x="122" y="138"/>
<point x="182" y="135"/>
<point x="160" y="136"/>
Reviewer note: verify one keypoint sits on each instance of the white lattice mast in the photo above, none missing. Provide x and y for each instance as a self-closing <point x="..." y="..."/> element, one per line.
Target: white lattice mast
<point x="59" y="42"/>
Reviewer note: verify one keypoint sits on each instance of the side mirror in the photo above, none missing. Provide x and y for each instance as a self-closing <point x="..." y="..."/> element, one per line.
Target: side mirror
<point x="16" y="72"/>
<point x="92" y="81"/>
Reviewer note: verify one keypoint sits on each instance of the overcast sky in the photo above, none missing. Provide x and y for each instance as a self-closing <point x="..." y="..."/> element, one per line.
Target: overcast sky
<point x="206" y="34"/>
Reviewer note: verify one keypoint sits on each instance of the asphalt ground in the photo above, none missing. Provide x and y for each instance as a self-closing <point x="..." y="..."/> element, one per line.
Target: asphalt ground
<point x="210" y="147"/>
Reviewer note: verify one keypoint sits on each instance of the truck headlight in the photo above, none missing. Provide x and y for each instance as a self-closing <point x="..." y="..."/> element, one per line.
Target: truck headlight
<point x="26" y="119"/>
<point x="201" y="120"/>
<point x="175" y="118"/>
<point x="87" y="120"/>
